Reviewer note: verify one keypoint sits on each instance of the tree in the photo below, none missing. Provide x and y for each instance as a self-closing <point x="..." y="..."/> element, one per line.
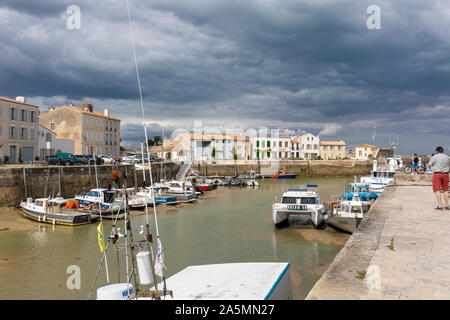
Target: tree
<point x="157" y="140"/>
<point x="213" y="152"/>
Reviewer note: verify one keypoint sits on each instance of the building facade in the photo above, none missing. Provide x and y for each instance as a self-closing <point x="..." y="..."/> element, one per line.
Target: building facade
<point x="306" y="146"/>
<point x="365" y="151"/>
<point x="331" y="150"/>
<point x="208" y="147"/>
<point x="48" y="145"/>
<point x="270" y="148"/>
<point x="18" y="130"/>
<point x="92" y="132"/>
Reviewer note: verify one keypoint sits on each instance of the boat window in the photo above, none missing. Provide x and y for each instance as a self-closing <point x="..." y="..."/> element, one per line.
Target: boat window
<point x="345" y="207"/>
<point x="356" y="209"/>
<point x="308" y="200"/>
<point x="109" y="197"/>
<point x="38" y="203"/>
<point x="289" y="200"/>
<point x="93" y="194"/>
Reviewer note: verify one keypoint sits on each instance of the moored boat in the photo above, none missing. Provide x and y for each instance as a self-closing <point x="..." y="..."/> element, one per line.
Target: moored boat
<point x="283" y="175"/>
<point x="302" y="203"/>
<point x="55" y="211"/>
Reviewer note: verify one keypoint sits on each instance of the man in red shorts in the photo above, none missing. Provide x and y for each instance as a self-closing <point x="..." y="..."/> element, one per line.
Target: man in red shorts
<point x="440" y="164"/>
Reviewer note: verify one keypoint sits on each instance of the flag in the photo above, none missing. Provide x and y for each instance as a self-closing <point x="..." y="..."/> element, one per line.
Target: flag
<point x="101" y="243"/>
<point x="159" y="262"/>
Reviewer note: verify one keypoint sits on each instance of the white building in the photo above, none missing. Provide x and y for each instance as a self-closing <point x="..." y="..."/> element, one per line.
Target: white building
<point x="49" y="145"/>
<point x="306" y="146"/>
<point x="209" y="147"/>
<point x="270" y="148"/>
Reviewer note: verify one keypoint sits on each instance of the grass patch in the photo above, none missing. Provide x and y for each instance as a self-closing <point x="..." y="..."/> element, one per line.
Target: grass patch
<point x="391" y="245"/>
<point x="361" y="275"/>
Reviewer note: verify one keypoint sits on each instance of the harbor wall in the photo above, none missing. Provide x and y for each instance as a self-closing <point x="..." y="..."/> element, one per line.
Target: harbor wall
<point x="303" y="168"/>
<point x="18" y="183"/>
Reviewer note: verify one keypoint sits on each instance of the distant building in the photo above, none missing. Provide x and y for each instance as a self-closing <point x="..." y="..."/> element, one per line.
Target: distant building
<point x="93" y="132"/>
<point x="270" y="148"/>
<point x="208" y="147"/>
<point x="365" y="151"/>
<point x="330" y="150"/>
<point x="18" y="130"/>
<point x="308" y="145"/>
<point x="49" y="145"/>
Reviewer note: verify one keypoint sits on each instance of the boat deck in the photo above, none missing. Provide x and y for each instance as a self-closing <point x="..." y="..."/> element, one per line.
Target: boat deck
<point x="232" y="281"/>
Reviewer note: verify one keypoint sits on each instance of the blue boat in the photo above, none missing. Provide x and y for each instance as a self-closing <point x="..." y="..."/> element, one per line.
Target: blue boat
<point x="362" y="190"/>
<point x="166" y="199"/>
<point x="284" y="175"/>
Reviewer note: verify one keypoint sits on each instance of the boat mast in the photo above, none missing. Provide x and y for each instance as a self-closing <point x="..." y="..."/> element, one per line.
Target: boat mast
<point x="147" y="147"/>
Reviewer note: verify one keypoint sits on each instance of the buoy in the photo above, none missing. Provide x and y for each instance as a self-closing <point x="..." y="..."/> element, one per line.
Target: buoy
<point x="144" y="267"/>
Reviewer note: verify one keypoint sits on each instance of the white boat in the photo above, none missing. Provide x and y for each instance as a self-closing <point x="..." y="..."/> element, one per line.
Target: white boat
<point x="53" y="211"/>
<point x="252" y="183"/>
<point x="380" y="177"/>
<point x="101" y="197"/>
<point x="355" y="208"/>
<point x="299" y="202"/>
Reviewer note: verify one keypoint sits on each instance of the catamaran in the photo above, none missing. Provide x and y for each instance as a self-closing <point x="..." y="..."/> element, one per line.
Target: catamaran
<point x="302" y="203"/>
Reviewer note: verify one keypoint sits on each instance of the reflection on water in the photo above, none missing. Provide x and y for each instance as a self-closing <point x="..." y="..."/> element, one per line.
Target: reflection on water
<point x="226" y="225"/>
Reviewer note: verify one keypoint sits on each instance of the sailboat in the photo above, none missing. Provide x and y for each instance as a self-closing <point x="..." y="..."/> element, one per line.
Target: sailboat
<point x="213" y="281"/>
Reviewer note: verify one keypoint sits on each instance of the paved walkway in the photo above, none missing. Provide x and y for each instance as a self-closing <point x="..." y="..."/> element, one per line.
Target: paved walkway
<point x="401" y="252"/>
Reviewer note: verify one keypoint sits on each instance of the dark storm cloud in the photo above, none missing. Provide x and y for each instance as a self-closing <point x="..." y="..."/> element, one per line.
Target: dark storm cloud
<point x="299" y="65"/>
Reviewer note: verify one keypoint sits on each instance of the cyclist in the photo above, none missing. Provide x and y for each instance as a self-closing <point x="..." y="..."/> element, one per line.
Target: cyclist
<point x="415" y="162"/>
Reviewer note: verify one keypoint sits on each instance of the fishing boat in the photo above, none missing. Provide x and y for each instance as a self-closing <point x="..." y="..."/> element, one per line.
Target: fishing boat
<point x="55" y="211"/>
<point x="204" y="186"/>
<point x="103" y="199"/>
<point x="355" y="208"/>
<point x="283" y="175"/>
<point x="301" y="203"/>
<point x="165" y="199"/>
<point x="362" y="190"/>
<point x="380" y="177"/>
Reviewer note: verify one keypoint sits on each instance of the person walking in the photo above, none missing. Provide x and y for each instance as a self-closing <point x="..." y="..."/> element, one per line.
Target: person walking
<point x="440" y="164"/>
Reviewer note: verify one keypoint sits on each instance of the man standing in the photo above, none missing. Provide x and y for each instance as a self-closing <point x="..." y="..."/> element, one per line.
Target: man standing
<point x="415" y="162"/>
<point x="440" y="164"/>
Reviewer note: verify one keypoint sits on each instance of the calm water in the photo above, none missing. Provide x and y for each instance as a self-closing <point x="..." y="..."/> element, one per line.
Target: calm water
<point x="226" y="225"/>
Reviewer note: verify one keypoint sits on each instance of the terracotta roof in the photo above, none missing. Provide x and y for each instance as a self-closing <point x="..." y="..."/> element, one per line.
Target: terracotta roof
<point x="294" y="141"/>
<point x="94" y="113"/>
<point x="15" y="101"/>
<point x="332" y="143"/>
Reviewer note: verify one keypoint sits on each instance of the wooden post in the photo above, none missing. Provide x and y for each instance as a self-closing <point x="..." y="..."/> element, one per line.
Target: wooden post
<point x="25" y="183"/>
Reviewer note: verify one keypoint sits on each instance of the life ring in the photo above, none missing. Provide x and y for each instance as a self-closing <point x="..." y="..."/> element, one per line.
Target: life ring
<point x="274" y="176"/>
<point x="91" y="206"/>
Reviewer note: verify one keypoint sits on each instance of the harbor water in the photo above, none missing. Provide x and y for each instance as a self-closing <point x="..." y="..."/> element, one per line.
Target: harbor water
<point x="229" y="224"/>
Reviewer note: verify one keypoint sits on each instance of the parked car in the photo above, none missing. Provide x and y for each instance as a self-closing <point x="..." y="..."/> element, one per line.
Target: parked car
<point x="69" y="156"/>
<point x="56" y="160"/>
<point x="90" y="159"/>
<point x="108" y="159"/>
<point x="135" y="158"/>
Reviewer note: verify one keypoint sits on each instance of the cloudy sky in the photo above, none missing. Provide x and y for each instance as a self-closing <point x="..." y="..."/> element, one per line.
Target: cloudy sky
<point x="296" y="65"/>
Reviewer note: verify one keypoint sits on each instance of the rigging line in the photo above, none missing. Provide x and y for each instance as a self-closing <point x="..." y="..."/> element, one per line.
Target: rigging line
<point x="146" y="136"/>
<point x="106" y="250"/>
<point x="143" y="112"/>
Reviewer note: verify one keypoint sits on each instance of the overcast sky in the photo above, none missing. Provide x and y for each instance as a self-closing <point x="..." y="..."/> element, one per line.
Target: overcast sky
<point x="296" y="65"/>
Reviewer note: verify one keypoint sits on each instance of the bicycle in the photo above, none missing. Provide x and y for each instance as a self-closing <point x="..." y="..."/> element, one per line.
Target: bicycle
<point x="420" y="169"/>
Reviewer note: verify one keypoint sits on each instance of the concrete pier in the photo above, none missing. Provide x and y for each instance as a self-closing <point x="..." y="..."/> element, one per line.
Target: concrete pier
<point x="401" y="250"/>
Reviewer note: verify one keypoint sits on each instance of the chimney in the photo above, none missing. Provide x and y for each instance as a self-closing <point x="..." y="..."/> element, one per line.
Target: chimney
<point x="85" y="106"/>
<point x="90" y="107"/>
<point x="21" y="99"/>
<point x="106" y="112"/>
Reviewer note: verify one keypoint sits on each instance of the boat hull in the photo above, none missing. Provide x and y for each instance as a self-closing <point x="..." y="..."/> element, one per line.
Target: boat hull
<point x="58" y="219"/>
<point x="286" y="176"/>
